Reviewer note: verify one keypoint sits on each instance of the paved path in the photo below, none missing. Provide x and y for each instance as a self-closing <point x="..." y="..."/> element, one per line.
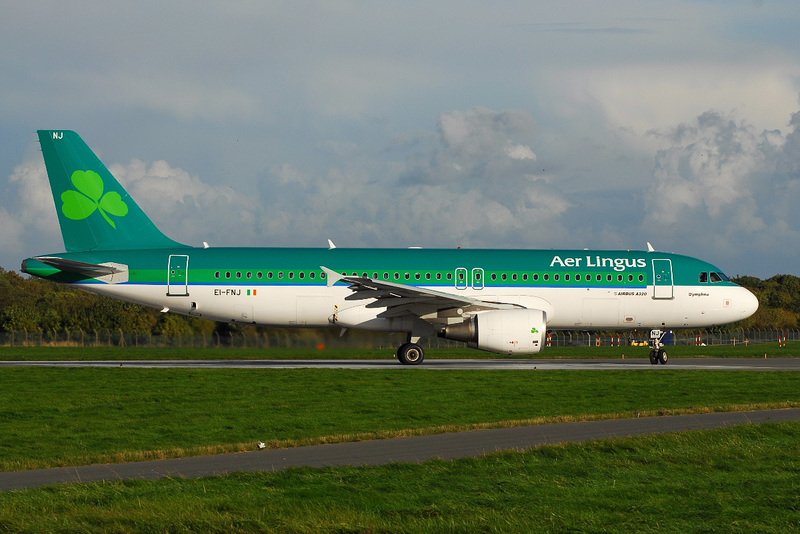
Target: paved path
<point x="379" y="452"/>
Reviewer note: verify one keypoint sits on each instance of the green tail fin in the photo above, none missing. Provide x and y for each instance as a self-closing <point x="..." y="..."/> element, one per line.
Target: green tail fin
<point x="94" y="210"/>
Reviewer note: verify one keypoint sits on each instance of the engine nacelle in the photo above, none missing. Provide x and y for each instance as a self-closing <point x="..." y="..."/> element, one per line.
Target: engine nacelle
<point x="504" y="331"/>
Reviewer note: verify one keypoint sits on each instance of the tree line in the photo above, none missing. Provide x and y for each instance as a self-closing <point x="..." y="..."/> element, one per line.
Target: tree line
<point x="33" y="304"/>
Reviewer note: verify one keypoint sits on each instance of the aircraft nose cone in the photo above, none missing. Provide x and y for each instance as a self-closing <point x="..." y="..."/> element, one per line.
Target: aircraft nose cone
<point x="747" y="303"/>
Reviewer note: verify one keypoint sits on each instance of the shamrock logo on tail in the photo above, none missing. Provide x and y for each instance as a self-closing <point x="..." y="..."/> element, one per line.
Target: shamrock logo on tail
<point x="89" y="197"/>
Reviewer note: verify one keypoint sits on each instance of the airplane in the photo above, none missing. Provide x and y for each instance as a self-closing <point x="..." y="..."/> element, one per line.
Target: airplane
<point x="502" y="301"/>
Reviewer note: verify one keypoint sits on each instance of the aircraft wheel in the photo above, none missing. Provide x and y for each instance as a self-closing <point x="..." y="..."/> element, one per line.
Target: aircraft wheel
<point x="410" y="354"/>
<point x="653" y="357"/>
<point x="662" y="356"/>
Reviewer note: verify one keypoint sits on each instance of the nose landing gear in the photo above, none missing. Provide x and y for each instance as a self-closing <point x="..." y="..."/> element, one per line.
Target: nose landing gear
<point x="657" y="352"/>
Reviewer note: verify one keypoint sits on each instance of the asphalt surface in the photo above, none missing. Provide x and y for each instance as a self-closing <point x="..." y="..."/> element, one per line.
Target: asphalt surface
<point x="413" y="449"/>
<point x="750" y="364"/>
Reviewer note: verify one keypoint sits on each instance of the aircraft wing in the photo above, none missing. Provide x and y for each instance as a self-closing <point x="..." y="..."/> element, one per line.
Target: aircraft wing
<point x="403" y="299"/>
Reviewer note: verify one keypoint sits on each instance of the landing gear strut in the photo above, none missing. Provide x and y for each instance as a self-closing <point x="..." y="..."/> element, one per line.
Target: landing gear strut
<point x="410" y="354"/>
<point x="657" y="352"/>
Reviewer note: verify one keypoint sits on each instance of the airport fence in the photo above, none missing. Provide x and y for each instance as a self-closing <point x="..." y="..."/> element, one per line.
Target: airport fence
<point x="280" y="338"/>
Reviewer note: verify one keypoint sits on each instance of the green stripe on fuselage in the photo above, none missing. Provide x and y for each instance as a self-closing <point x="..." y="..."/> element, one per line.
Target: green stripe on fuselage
<point x="564" y="268"/>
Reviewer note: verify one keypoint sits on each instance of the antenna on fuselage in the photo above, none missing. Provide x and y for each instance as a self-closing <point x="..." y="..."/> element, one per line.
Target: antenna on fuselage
<point x="331" y="246"/>
<point x="650" y="247"/>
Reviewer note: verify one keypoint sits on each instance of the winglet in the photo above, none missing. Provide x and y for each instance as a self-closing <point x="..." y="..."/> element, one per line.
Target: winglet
<point x="331" y="275"/>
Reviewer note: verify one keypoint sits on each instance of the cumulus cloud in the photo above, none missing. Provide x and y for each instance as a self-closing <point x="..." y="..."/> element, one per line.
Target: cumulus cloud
<point x="474" y="183"/>
<point x="185" y="207"/>
<point x="724" y="186"/>
<point x="28" y="217"/>
<point x="182" y="205"/>
<point x="719" y="188"/>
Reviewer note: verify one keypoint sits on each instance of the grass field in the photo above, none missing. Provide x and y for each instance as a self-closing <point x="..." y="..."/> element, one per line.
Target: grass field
<point x="738" y="479"/>
<point x="68" y="416"/>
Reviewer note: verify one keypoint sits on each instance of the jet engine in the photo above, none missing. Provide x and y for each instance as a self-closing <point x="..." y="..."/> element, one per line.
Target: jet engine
<point x="520" y="331"/>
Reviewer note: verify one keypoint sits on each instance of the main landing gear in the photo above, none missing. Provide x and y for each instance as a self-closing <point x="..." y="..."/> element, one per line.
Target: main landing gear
<point x="657" y="352"/>
<point x="410" y="354"/>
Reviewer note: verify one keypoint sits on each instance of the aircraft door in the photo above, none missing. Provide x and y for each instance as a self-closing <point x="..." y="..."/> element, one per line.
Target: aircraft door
<point x="178" y="276"/>
<point x="662" y="279"/>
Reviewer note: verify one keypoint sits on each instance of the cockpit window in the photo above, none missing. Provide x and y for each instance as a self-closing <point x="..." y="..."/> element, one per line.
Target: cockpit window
<point x="703" y="278"/>
<point x="718" y="277"/>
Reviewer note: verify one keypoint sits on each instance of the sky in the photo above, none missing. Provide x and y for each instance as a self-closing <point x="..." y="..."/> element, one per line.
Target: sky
<point x="510" y="124"/>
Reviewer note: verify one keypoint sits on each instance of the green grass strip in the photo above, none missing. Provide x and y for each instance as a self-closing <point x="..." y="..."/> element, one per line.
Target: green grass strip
<point x="72" y="416"/>
<point x="740" y="479"/>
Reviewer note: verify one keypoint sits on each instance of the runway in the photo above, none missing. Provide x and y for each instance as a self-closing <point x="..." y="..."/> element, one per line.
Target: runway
<point x="641" y="364"/>
<point x="379" y="452"/>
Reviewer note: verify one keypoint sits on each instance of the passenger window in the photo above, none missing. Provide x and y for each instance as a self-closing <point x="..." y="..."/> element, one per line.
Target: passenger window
<point x="577" y="278"/>
<point x="514" y="276"/>
<point x="504" y="276"/>
<point x="302" y="274"/>
<point x="546" y="277"/>
<point x="556" y="277"/>
<point x="259" y="275"/>
<point x="535" y="277"/>
<point x="227" y="274"/>
<point x="525" y="277"/>
<point x="249" y="274"/>
<point x="566" y="277"/>
<point x="216" y="274"/>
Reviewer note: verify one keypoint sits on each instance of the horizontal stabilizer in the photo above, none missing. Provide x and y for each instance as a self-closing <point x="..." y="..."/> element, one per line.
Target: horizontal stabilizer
<point x="112" y="273"/>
